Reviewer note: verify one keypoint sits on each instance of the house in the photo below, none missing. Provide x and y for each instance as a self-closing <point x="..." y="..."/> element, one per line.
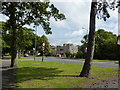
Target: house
<point x="61" y="50"/>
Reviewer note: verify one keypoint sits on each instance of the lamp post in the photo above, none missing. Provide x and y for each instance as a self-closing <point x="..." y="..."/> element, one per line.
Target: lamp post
<point x="34" y="49"/>
<point x="43" y="48"/>
<point x="85" y="50"/>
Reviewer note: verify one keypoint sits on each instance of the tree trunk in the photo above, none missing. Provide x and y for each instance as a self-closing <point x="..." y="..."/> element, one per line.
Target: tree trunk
<point x="13" y="32"/>
<point x="91" y="41"/>
<point x="13" y="48"/>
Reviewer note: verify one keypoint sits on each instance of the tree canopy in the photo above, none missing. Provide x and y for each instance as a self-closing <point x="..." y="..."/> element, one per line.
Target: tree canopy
<point x="105" y="45"/>
<point x="22" y="13"/>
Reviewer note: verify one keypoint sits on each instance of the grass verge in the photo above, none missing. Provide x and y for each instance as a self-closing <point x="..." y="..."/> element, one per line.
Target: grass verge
<point x="23" y="57"/>
<point x="37" y="74"/>
<point x="101" y="60"/>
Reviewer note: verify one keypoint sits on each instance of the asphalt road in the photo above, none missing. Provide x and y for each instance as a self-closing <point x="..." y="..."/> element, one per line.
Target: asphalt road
<point x="74" y="61"/>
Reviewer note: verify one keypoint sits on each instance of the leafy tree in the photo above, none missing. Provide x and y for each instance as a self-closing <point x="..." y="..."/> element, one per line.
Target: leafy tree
<point x="80" y="53"/>
<point x="101" y="10"/>
<point x="105" y="46"/>
<point x="5" y="39"/>
<point x="91" y="40"/>
<point x="25" y="38"/>
<point x="22" y="13"/>
<point x="52" y="52"/>
<point x="68" y="54"/>
<point x="44" y="39"/>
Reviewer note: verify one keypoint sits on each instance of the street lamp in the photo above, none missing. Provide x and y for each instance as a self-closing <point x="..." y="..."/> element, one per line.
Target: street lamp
<point x="85" y="50"/>
<point x="43" y="48"/>
<point x="34" y="49"/>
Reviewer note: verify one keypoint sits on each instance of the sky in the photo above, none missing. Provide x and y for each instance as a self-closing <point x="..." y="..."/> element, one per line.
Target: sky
<point x="76" y="25"/>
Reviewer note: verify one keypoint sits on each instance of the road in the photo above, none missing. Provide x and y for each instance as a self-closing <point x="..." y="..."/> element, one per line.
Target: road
<point x="74" y="61"/>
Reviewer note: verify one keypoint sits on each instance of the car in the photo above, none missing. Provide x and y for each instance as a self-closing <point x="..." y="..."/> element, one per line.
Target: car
<point x="39" y="54"/>
<point x="26" y="55"/>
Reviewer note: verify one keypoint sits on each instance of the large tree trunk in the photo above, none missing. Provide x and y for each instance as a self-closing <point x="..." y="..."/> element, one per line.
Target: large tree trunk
<point x="13" y="32"/>
<point x="91" y="41"/>
<point x="13" y="49"/>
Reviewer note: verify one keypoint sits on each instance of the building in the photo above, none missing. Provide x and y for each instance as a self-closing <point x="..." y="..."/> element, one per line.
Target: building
<point x="54" y="49"/>
<point x="61" y="50"/>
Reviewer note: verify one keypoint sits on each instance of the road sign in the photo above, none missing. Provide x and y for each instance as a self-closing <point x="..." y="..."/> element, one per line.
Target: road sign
<point x="43" y="44"/>
<point x="43" y="48"/>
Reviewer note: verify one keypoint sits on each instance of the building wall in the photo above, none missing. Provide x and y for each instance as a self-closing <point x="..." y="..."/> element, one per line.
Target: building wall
<point x="67" y="48"/>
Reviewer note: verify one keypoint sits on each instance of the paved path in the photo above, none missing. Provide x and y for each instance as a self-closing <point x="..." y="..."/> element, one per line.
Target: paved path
<point x="74" y="61"/>
<point x="8" y="80"/>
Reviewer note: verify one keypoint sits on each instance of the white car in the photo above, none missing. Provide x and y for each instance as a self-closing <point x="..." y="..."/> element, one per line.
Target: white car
<point x="39" y="54"/>
<point x="26" y="55"/>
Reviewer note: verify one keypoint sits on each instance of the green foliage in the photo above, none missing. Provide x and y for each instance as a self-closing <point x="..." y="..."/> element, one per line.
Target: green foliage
<point x="38" y="13"/>
<point x="80" y="53"/>
<point x="52" y="52"/>
<point x="105" y="45"/>
<point x="68" y="54"/>
<point x="22" y="13"/>
<point x="25" y="38"/>
<point x="5" y="39"/>
<point x="44" y="39"/>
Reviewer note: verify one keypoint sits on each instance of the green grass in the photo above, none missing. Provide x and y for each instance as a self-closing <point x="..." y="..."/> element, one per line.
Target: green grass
<point x="23" y="57"/>
<point x="101" y="60"/>
<point x="37" y="74"/>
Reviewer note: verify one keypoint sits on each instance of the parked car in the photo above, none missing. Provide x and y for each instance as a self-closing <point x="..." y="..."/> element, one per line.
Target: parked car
<point x="39" y="54"/>
<point x="26" y="55"/>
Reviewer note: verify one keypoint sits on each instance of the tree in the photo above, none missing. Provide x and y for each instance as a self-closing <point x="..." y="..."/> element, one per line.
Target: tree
<point x="100" y="9"/>
<point x="22" y="13"/>
<point x="91" y="40"/>
<point x="5" y="39"/>
<point x="105" y="46"/>
<point x="44" y="39"/>
<point x="25" y="38"/>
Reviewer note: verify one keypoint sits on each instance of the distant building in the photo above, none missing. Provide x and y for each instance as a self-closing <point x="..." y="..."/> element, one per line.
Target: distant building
<point x="54" y="49"/>
<point x="61" y="50"/>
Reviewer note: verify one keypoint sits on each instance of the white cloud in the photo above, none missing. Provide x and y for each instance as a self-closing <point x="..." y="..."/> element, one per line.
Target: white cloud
<point x="77" y="14"/>
<point x="75" y="41"/>
<point x="58" y="24"/>
<point x="3" y="17"/>
<point x="70" y="1"/>
<point x="75" y="33"/>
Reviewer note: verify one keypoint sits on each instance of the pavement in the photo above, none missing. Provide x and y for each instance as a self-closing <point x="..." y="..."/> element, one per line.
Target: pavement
<point x="8" y="80"/>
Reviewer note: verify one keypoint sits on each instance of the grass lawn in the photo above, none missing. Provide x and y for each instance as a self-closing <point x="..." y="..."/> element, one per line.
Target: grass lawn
<point x="37" y="74"/>
<point x="101" y="60"/>
<point x="23" y="57"/>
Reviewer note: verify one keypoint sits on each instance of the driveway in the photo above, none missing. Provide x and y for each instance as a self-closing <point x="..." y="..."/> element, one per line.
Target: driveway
<point x="74" y="61"/>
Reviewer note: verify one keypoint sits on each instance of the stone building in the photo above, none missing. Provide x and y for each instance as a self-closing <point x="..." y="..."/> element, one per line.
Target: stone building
<point x="61" y="50"/>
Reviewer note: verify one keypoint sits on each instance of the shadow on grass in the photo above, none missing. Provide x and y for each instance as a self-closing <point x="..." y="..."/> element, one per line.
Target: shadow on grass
<point x="32" y="73"/>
